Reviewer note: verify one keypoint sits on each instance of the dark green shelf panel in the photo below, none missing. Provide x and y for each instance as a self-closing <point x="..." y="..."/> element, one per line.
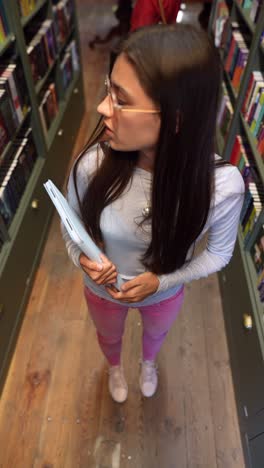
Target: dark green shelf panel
<point x="18" y="218"/>
<point x="245" y="14"/>
<point x="27" y="19"/>
<point x="231" y="91"/>
<point x="41" y="82"/>
<point x="8" y="42"/>
<point x="252" y="142"/>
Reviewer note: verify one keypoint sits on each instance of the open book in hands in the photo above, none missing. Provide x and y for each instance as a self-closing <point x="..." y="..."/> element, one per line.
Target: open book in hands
<point x="75" y="226"/>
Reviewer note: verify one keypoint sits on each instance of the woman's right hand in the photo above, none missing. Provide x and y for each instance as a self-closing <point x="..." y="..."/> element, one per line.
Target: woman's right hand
<point x="100" y="273"/>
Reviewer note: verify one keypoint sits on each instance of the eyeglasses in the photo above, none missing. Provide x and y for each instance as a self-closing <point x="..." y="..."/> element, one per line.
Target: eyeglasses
<point x="124" y="108"/>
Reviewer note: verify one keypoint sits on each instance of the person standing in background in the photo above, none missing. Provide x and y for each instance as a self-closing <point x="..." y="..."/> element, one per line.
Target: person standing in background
<point x="148" y="12"/>
<point x="123" y="15"/>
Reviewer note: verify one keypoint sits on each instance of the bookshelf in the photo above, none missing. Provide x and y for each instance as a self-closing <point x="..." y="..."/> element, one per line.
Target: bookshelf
<point x="40" y="48"/>
<point x="237" y="27"/>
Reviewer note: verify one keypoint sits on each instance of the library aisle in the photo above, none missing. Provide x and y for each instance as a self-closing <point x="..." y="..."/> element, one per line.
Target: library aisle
<point x="55" y="410"/>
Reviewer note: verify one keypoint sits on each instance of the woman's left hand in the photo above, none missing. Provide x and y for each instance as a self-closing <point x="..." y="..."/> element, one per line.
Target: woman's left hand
<point x="136" y="289"/>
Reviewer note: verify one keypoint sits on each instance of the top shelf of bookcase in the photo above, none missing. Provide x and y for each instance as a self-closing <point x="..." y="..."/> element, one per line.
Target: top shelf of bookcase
<point x="27" y="19"/>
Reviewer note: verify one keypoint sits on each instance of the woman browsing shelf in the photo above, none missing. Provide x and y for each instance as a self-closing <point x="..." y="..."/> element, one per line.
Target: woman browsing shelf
<point x="148" y="186"/>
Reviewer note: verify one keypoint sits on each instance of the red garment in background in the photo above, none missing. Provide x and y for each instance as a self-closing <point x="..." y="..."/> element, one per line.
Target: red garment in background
<point x="147" y="12"/>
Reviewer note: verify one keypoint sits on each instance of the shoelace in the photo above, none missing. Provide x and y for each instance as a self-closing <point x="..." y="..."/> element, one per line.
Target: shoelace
<point x="117" y="375"/>
<point x="148" y="368"/>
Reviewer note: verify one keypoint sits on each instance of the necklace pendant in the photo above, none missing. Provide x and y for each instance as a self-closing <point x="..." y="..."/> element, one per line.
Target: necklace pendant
<point x="146" y="211"/>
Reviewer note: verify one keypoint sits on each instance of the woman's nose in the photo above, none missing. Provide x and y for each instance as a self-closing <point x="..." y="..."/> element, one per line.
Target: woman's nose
<point x="105" y="107"/>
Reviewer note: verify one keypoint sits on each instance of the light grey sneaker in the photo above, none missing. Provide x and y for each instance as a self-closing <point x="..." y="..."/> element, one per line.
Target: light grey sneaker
<point x="117" y="384"/>
<point x="148" y="379"/>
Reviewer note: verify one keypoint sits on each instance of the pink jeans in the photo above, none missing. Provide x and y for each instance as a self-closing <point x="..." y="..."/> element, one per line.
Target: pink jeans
<point x="109" y="320"/>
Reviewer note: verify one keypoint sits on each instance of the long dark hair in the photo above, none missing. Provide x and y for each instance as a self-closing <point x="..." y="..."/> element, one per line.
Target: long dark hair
<point x="179" y="69"/>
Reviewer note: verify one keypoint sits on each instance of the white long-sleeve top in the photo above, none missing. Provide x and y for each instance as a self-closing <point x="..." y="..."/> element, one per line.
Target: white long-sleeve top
<point x="125" y="241"/>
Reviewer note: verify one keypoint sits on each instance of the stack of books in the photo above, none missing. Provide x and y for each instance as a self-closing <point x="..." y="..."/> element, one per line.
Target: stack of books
<point x="14" y="100"/>
<point x="242" y="157"/>
<point x="236" y="53"/>
<point x="15" y="171"/>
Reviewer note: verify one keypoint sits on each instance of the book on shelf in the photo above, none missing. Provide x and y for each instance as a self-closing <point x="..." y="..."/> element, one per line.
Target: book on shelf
<point x="14" y="99"/>
<point x="257" y="251"/>
<point x="7" y="113"/>
<point x="13" y="70"/>
<point x="69" y="64"/>
<point x="236" y="59"/>
<point x="15" y="171"/>
<point x="42" y="49"/>
<point x="261" y="41"/>
<point x="63" y="14"/>
<point x="242" y="157"/>
<point x="219" y="25"/>
<point x="257" y="255"/>
<point x="26" y="7"/>
<point x="7" y="74"/>
<point x="253" y="108"/>
<point x="4" y="135"/>
<point x="48" y="107"/>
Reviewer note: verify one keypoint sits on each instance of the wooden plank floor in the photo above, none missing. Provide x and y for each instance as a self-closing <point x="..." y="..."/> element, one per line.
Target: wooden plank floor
<point x="55" y="410"/>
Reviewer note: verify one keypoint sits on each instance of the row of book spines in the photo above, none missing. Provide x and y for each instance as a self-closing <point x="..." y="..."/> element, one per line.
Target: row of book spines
<point x="11" y="80"/>
<point x="253" y="108"/>
<point x="49" y="105"/>
<point x="14" y="175"/>
<point x="254" y="194"/>
<point x="252" y="7"/>
<point x="236" y="58"/>
<point x="44" y="47"/>
<point x="42" y="50"/>
<point x="14" y="102"/>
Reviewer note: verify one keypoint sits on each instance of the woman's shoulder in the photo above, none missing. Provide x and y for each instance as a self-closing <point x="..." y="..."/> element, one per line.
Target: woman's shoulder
<point x="228" y="179"/>
<point x="89" y="161"/>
